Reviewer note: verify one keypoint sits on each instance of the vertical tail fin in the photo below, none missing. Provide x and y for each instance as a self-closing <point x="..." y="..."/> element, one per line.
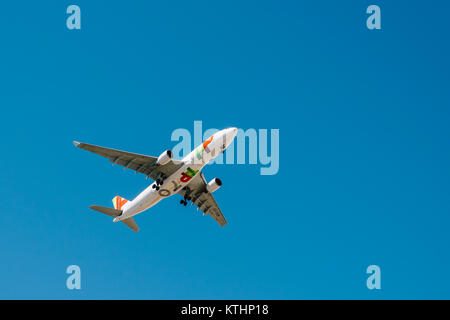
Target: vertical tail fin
<point x="119" y="202"/>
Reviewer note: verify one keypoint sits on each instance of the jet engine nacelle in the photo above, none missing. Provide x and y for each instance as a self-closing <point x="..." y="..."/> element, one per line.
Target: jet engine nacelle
<point x="165" y="157"/>
<point x="213" y="185"/>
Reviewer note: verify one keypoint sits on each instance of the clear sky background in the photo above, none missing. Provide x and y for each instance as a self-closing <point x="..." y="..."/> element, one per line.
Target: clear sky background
<point x="364" y="148"/>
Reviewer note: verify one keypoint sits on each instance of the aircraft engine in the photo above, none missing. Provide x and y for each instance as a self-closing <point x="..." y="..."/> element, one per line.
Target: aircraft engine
<point x="165" y="157"/>
<point x="213" y="185"/>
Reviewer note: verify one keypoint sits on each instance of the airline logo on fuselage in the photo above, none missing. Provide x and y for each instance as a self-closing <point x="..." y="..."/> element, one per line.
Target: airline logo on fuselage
<point x="188" y="175"/>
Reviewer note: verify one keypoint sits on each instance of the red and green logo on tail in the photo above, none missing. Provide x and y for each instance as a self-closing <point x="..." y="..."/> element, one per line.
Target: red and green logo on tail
<point x="118" y="202"/>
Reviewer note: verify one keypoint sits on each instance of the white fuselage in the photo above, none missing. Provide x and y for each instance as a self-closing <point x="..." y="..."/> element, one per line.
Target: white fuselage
<point x="192" y="165"/>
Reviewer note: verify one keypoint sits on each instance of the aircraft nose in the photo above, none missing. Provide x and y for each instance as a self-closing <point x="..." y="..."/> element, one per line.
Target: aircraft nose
<point x="230" y="133"/>
<point x="233" y="131"/>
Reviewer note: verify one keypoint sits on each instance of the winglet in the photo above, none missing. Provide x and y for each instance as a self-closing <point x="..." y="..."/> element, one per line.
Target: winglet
<point x="76" y="143"/>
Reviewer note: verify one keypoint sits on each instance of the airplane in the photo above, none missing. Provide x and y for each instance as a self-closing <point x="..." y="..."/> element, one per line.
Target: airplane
<point x="170" y="177"/>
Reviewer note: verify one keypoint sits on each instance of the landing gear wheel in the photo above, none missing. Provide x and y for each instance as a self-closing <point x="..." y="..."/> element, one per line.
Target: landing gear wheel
<point x="153" y="186"/>
<point x="159" y="181"/>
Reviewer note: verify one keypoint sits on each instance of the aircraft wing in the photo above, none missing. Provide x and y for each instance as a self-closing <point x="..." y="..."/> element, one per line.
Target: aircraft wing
<point x="204" y="200"/>
<point x="137" y="162"/>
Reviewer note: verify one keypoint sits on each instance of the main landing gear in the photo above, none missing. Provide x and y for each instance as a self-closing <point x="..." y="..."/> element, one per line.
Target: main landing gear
<point x="158" y="183"/>
<point x="187" y="198"/>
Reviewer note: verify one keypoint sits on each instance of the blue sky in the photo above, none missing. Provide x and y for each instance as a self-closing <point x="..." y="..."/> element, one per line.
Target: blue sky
<point x="364" y="158"/>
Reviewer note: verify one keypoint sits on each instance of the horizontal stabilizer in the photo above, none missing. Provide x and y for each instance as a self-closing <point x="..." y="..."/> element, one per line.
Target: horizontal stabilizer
<point x="131" y="223"/>
<point x="108" y="211"/>
<point x="115" y="213"/>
